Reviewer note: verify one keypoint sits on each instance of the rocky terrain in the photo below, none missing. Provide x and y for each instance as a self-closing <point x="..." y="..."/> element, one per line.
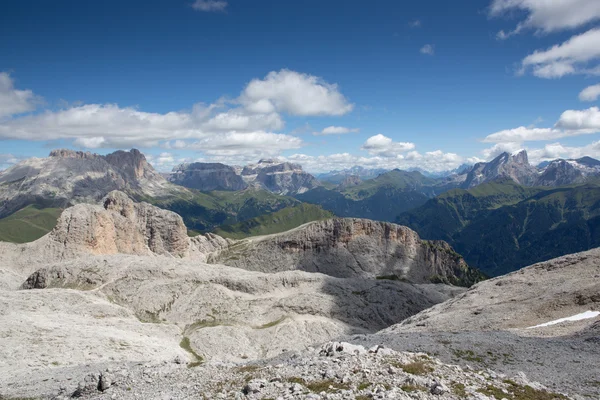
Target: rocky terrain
<point x="69" y="177"/>
<point x="348" y="247"/>
<point x="120" y="282"/>
<point x="207" y="177"/>
<point x="116" y="302"/>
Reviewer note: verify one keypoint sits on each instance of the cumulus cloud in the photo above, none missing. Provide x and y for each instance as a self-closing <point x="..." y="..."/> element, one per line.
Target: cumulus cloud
<point x="336" y="130"/>
<point x="556" y="150"/>
<point x="245" y="125"/>
<point x="499" y="148"/>
<point x="583" y="121"/>
<point x="435" y="161"/>
<point x="524" y="134"/>
<point x="210" y="5"/>
<point x="428" y="49"/>
<point x="546" y="16"/>
<point x="295" y="94"/>
<point x="384" y="146"/>
<point x="574" y="56"/>
<point x="570" y="123"/>
<point x="13" y="101"/>
<point x="590" y="93"/>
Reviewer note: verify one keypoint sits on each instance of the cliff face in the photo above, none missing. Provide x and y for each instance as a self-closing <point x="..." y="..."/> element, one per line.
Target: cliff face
<point x="69" y="177"/>
<point x="118" y="226"/>
<point x="282" y="178"/>
<point x="352" y="248"/>
<point x="515" y="167"/>
<point x="207" y="177"/>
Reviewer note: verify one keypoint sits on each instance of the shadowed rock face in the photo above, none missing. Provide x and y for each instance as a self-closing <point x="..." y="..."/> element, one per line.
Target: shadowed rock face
<point x="69" y="177"/>
<point x="351" y="247"/>
<point x="207" y="177"/>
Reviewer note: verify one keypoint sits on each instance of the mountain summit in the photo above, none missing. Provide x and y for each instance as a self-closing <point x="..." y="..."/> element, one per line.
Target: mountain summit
<point x="68" y="177"/>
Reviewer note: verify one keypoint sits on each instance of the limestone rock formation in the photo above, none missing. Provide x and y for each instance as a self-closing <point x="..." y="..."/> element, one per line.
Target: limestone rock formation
<point x="279" y="177"/>
<point x="69" y="177"/>
<point x="207" y="177"/>
<point x="349" y="247"/>
<point x="514" y="166"/>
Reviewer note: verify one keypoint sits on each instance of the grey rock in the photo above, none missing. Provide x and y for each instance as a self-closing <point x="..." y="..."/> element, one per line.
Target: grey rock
<point x="350" y="247"/>
<point x="207" y="177"/>
<point x="69" y="177"/>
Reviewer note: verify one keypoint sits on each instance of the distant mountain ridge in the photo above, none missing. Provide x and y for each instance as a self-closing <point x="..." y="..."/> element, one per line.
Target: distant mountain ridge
<point x="501" y="226"/>
<point x="277" y="177"/>
<point x="68" y="177"/>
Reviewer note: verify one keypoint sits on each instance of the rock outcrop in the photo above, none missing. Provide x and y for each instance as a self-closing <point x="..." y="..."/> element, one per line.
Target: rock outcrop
<point x="279" y="177"/>
<point x="559" y="288"/>
<point x="348" y="247"/>
<point x="121" y="226"/>
<point x="207" y="177"/>
<point x="69" y="177"/>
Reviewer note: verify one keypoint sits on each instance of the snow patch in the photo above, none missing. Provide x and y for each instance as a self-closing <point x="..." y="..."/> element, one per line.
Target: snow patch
<point x="577" y="317"/>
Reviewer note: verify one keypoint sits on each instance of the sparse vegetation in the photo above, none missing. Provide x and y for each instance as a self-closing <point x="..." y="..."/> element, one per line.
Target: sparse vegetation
<point x="514" y="391"/>
<point x="186" y="345"/>
<point x="413" y="388"/>
<point x="272" y="323"/>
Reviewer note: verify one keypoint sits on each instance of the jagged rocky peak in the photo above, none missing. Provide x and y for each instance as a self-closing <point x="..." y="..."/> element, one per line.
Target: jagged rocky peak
<point x="132" y="162"/>
<point x="69" y="177"/>
<point x="207" y="177"/>
<point x="514" y="166"/>
<point x="67" y="153"/>
<point x="560" y="172"/>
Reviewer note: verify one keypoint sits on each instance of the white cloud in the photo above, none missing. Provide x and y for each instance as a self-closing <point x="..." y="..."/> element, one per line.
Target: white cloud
<point x="546" y="16"/>
<point x="209" y="5"/>
<point x="415" y="24"/>
<point x="523" y="134"/>
<point x="428" y="49"/>
<point x="583" y="121"/>
<point x="13" y="101"/>
<point x="590" y="93"/>
<point x="571" y="57"/>
<point x="336" y="130"/>
<point x="556" y="150"/>
<point x="435" y="161"/>
<point x="245" y="126"/>
<point x="294" y="93"/>
<point x="570" y="123"/>
<point x="499" y="148"/>
<point x="383" y="146"/>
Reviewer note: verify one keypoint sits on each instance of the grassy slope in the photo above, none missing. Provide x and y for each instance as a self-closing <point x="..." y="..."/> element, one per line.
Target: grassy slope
<point x="28" y="224"/>
<point x="204" y="211"/>
<point x="502" y="227"/>
<point x="381" y="198"/>
<point x="279" y="221"/>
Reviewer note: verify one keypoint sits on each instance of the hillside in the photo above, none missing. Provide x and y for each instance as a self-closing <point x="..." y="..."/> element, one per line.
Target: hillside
<point x="381" y="198"/>
<point x="28" y="224"/>
<point x="276" y="222"/>
<point x="501" y="226"/>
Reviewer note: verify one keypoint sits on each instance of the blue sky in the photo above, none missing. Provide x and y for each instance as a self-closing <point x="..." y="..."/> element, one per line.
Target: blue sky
<point x="428" y="83"/>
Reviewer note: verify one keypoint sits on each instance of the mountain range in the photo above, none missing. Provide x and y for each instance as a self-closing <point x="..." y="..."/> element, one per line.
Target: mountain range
<point x="528" y="207"/>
